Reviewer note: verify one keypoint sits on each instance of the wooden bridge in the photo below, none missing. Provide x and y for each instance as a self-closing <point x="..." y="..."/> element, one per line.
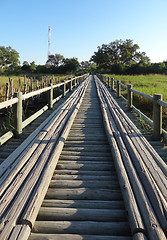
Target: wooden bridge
<point x="86" y="172"/>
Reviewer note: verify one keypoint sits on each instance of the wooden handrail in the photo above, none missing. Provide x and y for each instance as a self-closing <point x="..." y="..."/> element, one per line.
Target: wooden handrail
<point x="156" y="99"/>
<point x="17" y="102"/>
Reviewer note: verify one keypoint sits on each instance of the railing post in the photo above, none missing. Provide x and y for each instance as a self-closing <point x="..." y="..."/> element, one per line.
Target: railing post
<point x="105" y="80"/>
<point x="75" y="81"/>
<point x="108" y="82"/>
<point x="71" y="85"/>
<point x="112" y="84"/>
<point x="50" y="96"/>
<point x="64" y="89"/>
<point x="118" y="89"/>
<point x="25" y="88"/>
<point x="157" y="117"/>
<point x="7" y="92"/>
<point x="17" y="109"/>
<point x="129" y="98"/>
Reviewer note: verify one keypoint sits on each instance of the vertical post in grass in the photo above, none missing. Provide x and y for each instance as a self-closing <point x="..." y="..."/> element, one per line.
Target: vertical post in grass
<point x="17" y="108"/>
<point x="108" y="82"/>
<point x="71" y="84"/>
<point x="64" y="89"/>
<point x="75" y="81"/>
<point x="157" y="117"/>
<point x="118" y="89"/>
<point x="129" y="98"/>
<point x="11" y="88"/>
<point x="112" y="84"/>
<point x="50" y="96"/>
<point x="105" y="80"/>
<point x="25" y="88"/>
<point x="32" y="87"/>
<point x="7" y="92"/>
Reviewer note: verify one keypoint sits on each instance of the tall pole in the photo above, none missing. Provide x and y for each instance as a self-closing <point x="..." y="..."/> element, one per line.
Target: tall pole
<point x="49" y="34"/>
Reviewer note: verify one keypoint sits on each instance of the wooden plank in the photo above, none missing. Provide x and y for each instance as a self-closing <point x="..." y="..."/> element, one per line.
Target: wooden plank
<point x="84" y="194"/>
<point x="76" y="214"/>
<point x="85" y="158"/>
<point x="21" y="199"/>
<point x="139" y="236"/>
<point x="90" y="167"/>
<point x="159" y="204"/>
<point x="23" y="156"/>
<point x="132" y="174"/>
<point x="129" y="199"/>
<point x="4" y="138"/>
<point x="86" y="183"/>
<point x="80" y="227"/>
<point x="98" y="154"/>
<point x="20" y="232"/>
<point x="34" y="116"/>
<point x="38" y="236"/>
<point x="84" y="177"/>
<point x="86" y="148"/>
<point x="8" y="103"/>
<point x="88" y="204"/>
<point x="37" y="197"/>
<point x="83" y="173"/>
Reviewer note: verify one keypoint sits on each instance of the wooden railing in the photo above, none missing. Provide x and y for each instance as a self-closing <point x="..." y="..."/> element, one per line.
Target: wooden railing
<point x="19" y="97"/>
<point x="158" y="103"/>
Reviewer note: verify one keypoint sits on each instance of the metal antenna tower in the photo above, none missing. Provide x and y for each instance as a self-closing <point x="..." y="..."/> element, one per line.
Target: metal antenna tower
<point x="49" y="34"/>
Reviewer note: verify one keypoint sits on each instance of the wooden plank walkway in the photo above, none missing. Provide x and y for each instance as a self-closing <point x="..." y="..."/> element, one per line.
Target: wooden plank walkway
<point x="84" y="197"/>
<point x="7" y="148"/>
<point x="89" y="196"/>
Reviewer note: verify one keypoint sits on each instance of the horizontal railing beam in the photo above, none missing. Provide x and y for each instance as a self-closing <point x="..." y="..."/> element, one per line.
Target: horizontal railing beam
<point x="17" y="102"/>
<point x="157" y="104"/>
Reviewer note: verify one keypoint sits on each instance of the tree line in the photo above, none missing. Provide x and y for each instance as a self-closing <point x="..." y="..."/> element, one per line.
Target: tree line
<point x="124" y="57"/>
<point x="117" y="57"/>
<point x="56" y="64"/>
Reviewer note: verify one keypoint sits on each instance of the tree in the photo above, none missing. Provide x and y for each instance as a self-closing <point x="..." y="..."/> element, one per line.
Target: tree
<point x="33" y="66"/>
<point x="8" y="57"/>
<point x="119" y="52"/>
<point x="70" y="64"/>
<point x="55" y="60"/>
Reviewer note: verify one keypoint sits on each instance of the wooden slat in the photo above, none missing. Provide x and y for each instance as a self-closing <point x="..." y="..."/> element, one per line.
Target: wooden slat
<point x="84" y="193"/>
<point x="119" y="135"/>
<point x="34" y="172"/>
<point x="80" y="227"/>
<point x="76" y="214"/>
<point x="38" y="236"/>
<point x="88" y="204"/>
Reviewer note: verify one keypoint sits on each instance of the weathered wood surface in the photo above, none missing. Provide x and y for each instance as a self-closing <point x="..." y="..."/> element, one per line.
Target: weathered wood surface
<point x="139" y="164"/>
<point x="84" y="188"/>
<point x="34" y="164"/>
<point x="83" y="198"/>
<point x="76" y="237"/>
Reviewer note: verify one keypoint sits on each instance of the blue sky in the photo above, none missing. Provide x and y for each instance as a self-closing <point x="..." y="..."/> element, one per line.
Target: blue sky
<point x="80" y="26"/>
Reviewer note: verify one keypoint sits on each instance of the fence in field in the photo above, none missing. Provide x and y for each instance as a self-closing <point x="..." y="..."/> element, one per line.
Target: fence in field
<point x="17" y="102"/>
<point x="26" y="85"/>
<point x="158" y="103"/>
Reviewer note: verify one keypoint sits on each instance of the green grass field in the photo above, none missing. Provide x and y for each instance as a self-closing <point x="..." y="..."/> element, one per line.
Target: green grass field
<point x="148" y="84"/>
<point x="6" y="117"/>
<point x="16" y="85"/>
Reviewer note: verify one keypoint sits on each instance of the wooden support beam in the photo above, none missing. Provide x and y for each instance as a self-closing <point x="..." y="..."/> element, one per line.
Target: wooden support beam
<point x="112" y="84"/>
<point x="157" y="117"/>
<point x="129" y="98"/>
<point x="118" y="89"/>
<point x="64" y="89"/>
<point x="108" y="82"/>
<point x="18" y="115"/>
<point x="50" y="96"/>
